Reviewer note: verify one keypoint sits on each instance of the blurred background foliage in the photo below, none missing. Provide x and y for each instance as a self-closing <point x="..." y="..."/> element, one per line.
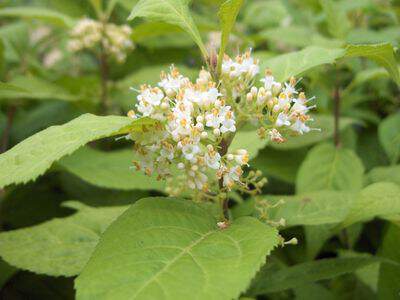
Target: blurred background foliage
<point x="42" y="84"/>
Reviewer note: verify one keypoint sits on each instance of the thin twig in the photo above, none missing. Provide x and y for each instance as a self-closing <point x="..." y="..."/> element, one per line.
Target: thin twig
<point x="223" y="150"/>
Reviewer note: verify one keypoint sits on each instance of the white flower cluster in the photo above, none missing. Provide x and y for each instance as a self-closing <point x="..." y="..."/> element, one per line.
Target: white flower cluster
<point x="88" y="33"/>
<point x="198" y="120"/>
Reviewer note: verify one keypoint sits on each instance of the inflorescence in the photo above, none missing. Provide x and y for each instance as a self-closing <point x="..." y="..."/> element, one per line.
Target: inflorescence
<point x="115" y="40"/>
<point x="197" y="121"/>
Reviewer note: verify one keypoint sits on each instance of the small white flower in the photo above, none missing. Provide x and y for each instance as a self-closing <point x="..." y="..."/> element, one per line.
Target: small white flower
<point x="190" y="150"/>
<point x="300" y="127"/>
<point x="231" y="176"/>
<point x="213" y="118"/>
<point x="282" y="120"/>
<point x="241" y="157"/>
<point x="212" y="158"/>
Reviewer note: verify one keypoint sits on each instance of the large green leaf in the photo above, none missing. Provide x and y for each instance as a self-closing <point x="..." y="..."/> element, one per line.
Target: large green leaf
<point x="315" y="208"/>
<point x="329" y="168"/>
<point x="166" y="248"/>
<point x="389" y="275"/>
<point x="305" y="273"/>
<point x="109" y="170"/>
<point x="38" y="13"/>
<point x="295" y="63"/>
<point x="382" y="54"/>
<point x="60" y="246"/>
<point x="228" y="13"/>
<point x="389" y="136"/>
<point x="33" y="156"/>
<point x="333" y="207"/>
<point x="174" y="12"/>
<point x="376" y="200"/>
<point x="388" y="174"/>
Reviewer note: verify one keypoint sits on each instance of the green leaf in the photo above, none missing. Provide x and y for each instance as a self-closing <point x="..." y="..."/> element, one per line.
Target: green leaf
<point x="388" y="174"/>
<point x="376" y="200"/>
<point x="329" y="168"/>
<point x="31" y="87"/>
<point x="174" y="12"/>
<point x="11" y="87"/>
<point x="389" y="136"/>
<point x="382" y="54"/>
<point x="313" y="291"/>
<point x="41" y="13"/>
<point x="166" y="248"/>
<point x="323" y="122"/>
<point x="60" y="246"/>
<point x="109" y="170"/>
<point x="228" y="13"/>
<point x="315" y="208"/>
<point x="338" y="23"/>
<point x="305" y="273"/>
<point x="295" y="63"/>
<point x="389" y="275"/>
<point x="33" y="156"/>
<point x="248" y="140"/>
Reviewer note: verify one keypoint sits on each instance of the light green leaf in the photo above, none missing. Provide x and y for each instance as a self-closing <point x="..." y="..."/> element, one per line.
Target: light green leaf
<point x="382" y="54"/>
<point x="295" y="63"/>
<point x="228" y="13"/>
<point x="11" y="87"/>
<point x="59" y="246"/>
<point x="388" y="174"/>
<point x="338" y="23"/>
<point x="41" y="13"/>
<point x="31" y="87"/>
<point x="329" y="168"/>
<point x="33" y="156"/>
<point x="315" y="208"/>
<point x="166" y="248"/>
<point x="323" y="122"/>
<point x="389" y="275"/>
<point x="389" y="136"/>
<point x="109" y="170"/>
<point x="174" y="12"/>
<point x="376" y="200"/>
<point x="308" y="272"/>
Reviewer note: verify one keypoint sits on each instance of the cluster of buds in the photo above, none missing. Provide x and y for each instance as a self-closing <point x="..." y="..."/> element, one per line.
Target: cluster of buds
<point x="115" y="40"/>
<point x="278" y="107"/>
<point x="197" y="121"/>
